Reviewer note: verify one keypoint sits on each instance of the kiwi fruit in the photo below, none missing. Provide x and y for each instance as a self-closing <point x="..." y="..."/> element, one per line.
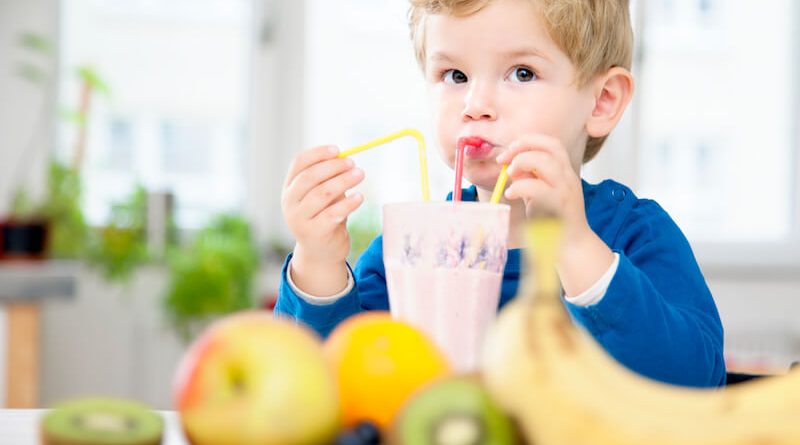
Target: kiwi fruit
<point x="101" y="421"/>
<point x="453" y="411"/>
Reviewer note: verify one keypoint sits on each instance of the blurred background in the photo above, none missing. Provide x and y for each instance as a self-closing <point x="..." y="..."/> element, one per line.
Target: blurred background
<point x="144" y="143"/>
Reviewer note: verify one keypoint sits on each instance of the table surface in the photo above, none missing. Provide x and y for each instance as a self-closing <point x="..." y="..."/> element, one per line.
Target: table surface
<point x="21" y="426"/>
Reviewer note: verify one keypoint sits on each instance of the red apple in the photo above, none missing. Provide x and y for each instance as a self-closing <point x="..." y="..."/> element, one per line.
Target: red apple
<point x="254" y="379"/>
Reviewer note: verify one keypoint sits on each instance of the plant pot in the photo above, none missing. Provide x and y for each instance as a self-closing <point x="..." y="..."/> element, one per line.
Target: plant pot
<point x="23" y="240"/>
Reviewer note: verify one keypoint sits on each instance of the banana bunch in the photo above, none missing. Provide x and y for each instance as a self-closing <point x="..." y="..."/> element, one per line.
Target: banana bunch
<point x="564" y="389"/>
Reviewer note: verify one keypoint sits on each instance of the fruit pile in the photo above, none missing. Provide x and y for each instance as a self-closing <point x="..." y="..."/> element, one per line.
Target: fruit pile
<point x="261" y="381"/>
<point x="254" y="379"/>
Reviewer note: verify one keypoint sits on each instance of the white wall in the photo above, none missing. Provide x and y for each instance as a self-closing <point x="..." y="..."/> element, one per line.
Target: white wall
<point x="761" y="317"/>
<point x="24" y="123"/>
<point x="276" y="110"/>
<point x="24" y="119"/>
<point x="109" y="340"/>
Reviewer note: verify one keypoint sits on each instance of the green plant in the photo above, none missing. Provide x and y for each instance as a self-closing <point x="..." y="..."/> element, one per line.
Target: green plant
<point x="39" y="47"/>
<point x="116" y="248"/>
<point x="91" y="83"/>
<point x="363" y="227"/>
<point x="62" y="208"/>
<point x="34" y="68"/>
<point x="61" y="204"/>
<point x="120" y="246"/>
<point x="213" y="276"/>
<point x="22" y="206"/>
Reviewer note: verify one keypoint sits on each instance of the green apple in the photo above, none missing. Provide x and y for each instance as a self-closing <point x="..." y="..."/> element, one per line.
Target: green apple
<point x="254" y="379"/>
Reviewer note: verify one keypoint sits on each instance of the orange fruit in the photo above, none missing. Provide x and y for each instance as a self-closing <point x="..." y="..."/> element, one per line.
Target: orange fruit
<point x="379" y="363"/>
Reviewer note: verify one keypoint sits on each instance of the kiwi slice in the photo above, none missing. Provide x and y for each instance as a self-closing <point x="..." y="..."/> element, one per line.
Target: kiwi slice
<point x="454" y="411"/>
<point x="101" y="421"/>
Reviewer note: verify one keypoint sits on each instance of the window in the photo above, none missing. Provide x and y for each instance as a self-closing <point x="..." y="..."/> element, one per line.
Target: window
<point x="363" y="82"/>
<point x="174" y="119"/>
<point x="716" y="109"/>
<point x="119" y="153"/>
<point x="185" y="148"/>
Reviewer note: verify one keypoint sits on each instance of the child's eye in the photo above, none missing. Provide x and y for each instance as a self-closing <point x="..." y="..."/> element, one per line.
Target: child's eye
<point x="522" y="74"/>
<point x="454" y="76"/>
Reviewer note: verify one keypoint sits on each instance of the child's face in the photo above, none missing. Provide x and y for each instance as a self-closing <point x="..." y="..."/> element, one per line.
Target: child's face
<point x="497" y="74"/>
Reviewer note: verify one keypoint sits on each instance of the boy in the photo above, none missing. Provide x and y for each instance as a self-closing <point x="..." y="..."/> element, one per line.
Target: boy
<point x="542" y="83"/>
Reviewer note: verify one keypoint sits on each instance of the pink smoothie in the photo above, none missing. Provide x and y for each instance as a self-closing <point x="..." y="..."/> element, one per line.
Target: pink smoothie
<point x="453" y="306"/>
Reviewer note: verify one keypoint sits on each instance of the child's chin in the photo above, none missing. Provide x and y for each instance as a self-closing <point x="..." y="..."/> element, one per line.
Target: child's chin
<point x="483" y="183"/>
<point x="484" y="178"/>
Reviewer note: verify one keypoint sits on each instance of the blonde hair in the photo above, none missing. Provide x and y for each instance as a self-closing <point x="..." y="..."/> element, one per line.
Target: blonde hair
<point x="596" y="35"/>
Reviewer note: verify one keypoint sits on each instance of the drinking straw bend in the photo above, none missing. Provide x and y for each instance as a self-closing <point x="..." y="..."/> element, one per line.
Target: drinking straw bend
<point x="423" y="159"/>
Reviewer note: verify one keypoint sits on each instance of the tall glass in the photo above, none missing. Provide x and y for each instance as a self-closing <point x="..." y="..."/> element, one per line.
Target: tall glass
<point x="444" y="269"/>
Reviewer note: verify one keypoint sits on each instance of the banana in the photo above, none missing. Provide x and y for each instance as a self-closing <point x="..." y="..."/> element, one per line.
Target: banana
<point x="564" y="389"/>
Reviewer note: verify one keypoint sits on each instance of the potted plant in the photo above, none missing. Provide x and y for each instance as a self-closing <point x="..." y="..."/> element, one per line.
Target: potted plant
<point x="23" y="236"/>
<point x="212" y="276"/>
<point x="56" y="225"/>
<point x="24" y="232"/>
<point x="120" y="246"/>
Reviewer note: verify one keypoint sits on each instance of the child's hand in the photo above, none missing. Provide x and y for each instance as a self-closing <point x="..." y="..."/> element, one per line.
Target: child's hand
<point x="541" y="175"/>
<point x="316" y="209"/>
<point x="544" y="179"/>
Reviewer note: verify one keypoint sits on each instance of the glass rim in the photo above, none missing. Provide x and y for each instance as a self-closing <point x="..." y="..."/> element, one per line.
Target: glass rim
<point x="471" y="205"/>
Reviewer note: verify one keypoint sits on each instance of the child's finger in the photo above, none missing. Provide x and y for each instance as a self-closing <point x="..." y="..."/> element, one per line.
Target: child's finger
<point x="323" y="195"/>
<point x="535" y="164"/>
<point x="318" y="173"/>
<point x="338" y="212"/>
<point x="538" y="193"/>
<point x="309" y="158"/>
<point x="536" y="142"/>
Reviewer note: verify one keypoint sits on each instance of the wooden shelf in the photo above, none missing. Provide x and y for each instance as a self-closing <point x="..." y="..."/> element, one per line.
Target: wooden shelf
<point x="23" y="287"/>
<point x="28" y="280"/>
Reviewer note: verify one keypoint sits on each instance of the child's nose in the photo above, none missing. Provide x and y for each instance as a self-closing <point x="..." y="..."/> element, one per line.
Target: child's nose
<point x="478" y="103"/>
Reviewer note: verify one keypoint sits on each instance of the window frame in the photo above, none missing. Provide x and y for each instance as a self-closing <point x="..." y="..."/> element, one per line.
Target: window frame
<point x="735" y="259"/>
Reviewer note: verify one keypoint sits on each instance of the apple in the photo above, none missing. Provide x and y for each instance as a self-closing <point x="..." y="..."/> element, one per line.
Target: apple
<point x="253" y="379"/>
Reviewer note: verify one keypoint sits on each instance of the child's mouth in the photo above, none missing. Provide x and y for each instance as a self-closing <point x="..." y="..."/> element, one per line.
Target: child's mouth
<point x="475" y="147"/>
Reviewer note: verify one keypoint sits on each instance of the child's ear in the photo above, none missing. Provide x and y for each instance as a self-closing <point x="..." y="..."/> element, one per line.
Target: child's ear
<point x="612" y="93"/>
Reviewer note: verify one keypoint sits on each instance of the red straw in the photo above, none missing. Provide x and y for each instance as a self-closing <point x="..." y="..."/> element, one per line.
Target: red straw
<point x="459" y="170"/>
<point x="473" y="141"/>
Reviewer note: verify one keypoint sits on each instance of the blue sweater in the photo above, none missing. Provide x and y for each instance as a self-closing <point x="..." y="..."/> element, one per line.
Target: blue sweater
<point x="657" y="317"/>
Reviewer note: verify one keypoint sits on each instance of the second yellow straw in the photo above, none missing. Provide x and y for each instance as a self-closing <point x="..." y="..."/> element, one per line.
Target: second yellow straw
<point x="500" y="186"/>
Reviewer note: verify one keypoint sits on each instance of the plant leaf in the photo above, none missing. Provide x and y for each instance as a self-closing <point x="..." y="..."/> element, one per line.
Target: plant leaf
<point x="90" y="76"/>
<point x="31" y="73"/>
<point x="35" y="42"/>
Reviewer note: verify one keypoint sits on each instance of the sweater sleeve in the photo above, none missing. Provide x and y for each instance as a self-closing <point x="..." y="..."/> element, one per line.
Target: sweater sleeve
<point x="368" y="293"/>
<point x="658" y="316"/>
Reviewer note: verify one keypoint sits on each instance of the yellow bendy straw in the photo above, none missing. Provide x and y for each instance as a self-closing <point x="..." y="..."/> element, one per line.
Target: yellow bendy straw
<point x="500" y="186"/>
<point x="423" y="159"/>
<point x="543" y="235"/>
